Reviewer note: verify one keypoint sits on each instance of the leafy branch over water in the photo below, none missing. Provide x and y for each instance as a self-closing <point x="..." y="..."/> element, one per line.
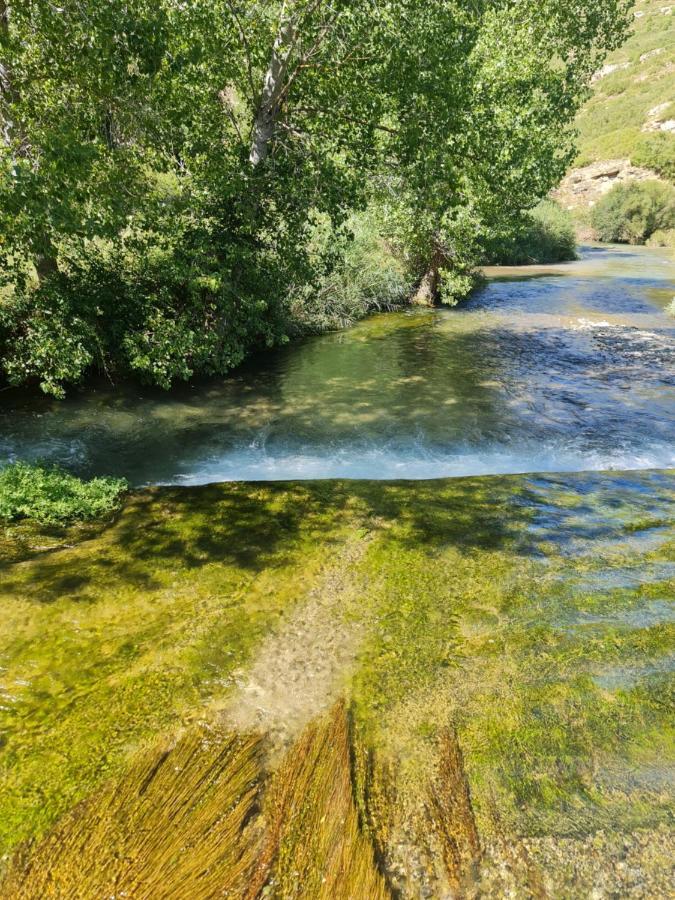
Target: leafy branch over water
<point x="166" y="169"/>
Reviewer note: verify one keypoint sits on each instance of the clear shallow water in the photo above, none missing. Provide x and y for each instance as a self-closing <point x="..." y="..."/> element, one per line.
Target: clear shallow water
<point x="568" y="368"/>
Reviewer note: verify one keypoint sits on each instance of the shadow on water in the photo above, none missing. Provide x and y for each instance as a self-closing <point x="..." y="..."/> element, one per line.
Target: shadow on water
<point x="258" y="526"/>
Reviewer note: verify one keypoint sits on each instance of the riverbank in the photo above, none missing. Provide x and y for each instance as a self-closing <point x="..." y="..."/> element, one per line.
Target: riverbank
<point x="569" y="370"/>
<point x="526" y="620"/>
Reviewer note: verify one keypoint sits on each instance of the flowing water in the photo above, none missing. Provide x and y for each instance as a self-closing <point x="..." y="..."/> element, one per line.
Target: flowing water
<point x="567" y="368"/>
<point x="533" y="611"/>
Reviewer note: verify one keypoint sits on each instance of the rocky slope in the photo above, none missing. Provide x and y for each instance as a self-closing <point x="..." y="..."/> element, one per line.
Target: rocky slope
<point x="631" y="113"/>
<point x="627" y="127"/>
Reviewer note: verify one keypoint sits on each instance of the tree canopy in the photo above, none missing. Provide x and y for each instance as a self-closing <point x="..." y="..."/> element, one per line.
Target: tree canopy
<point x="167" y="165"/>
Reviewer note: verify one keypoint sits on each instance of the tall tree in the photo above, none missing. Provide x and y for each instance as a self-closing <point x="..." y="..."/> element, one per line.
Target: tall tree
<point x="163" y="163"/>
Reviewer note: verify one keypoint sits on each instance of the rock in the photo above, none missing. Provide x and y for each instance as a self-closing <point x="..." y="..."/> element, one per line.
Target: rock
<point x="650" y="53"/>
<point x="582" y="188"/>
<point x="607" y="70"/>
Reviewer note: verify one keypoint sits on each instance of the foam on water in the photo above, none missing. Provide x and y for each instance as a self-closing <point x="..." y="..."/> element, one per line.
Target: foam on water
<point x="257" y="463"/>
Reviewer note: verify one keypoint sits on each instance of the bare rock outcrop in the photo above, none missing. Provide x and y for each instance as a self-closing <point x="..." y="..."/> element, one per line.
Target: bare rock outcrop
<point x="582" y="188"/>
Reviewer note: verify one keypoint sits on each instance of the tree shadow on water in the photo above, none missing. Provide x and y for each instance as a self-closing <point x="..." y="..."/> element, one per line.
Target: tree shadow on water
<point x="246" y="528"/>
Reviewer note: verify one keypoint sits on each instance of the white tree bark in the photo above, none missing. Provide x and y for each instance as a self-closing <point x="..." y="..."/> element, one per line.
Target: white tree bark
<point x="5" y="85"/>
<point x="272" y="93"/>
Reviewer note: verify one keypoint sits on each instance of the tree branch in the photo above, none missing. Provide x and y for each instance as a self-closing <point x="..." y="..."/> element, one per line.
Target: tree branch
<point x="247" y="50"/>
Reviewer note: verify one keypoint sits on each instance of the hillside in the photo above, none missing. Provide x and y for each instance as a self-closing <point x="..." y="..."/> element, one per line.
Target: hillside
<point x="627" y="127"/>
<point x="632" y="111"/>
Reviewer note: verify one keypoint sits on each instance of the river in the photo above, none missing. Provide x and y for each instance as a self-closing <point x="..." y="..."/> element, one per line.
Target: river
<point x="567" y="368"/>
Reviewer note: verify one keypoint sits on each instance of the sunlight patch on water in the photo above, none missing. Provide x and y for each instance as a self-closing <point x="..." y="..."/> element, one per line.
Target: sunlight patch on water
<point x="624" y="677"/>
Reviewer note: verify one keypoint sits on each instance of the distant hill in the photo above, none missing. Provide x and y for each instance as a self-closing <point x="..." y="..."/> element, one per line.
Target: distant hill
<point x="627" y="127"/>
<point x="633" y="103"/>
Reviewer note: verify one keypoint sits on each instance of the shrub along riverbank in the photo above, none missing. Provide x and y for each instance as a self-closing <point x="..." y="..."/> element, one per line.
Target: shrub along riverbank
<point x="495" y="653"/>
<point x="637" y="213"/>
<point x="49" y="496"/>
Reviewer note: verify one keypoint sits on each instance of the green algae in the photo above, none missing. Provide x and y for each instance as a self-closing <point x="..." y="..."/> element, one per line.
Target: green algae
<point x="116" y="638"/>
<point x="548" y="711"/>
<point x="495" y="606"/>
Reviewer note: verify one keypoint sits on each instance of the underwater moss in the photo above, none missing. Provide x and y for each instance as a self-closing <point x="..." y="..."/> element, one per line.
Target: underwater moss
<point x="540" y="637"/>
<point x="173" y="826"/>
<point x="314" y="846"/>
<point x="112" y="640"/>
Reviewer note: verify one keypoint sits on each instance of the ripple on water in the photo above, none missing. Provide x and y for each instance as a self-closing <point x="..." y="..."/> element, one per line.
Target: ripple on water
<point x="643" y="615"/>
<point x="622" y="677"/>
<point x="568" y="372"/>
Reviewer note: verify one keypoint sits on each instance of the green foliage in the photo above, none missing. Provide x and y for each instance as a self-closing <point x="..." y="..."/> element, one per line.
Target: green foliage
<point x="140" y="232"/>
<point x="631" y="212"/>
<point x="366" y="275"/>
<point x="50" y="496"/>
<point x="50" y="340"/>
<point x="657" y="152"/>
<point x="546" y="236"/>
<point x="662" y="238"/>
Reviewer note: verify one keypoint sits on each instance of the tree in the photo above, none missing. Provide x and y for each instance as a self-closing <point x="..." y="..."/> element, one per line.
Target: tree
<point x="164" y="163"/>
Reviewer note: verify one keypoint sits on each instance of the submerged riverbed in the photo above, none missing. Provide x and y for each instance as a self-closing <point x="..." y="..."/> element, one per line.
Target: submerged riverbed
<point x="504" y="646"/>
<point x="570" y="368"/>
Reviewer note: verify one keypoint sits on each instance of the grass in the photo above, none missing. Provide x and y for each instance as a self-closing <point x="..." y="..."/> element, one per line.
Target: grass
<point x="367" y="276"/>
<point x="511" y="684"/>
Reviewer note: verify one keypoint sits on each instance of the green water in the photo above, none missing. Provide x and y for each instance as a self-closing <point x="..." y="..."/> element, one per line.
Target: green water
<point x="535" y="612"/>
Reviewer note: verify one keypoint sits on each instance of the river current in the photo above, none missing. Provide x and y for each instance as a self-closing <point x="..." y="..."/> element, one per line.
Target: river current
<point x="566" y="368"/>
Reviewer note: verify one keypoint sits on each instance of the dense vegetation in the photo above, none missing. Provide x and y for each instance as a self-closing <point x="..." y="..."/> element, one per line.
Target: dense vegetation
<point x="634" y="212"/>
<point x="50" y="495"/>
<point x="632" y="102"/>
<point x="546" y="236"/>
<point x="179" y="181"/>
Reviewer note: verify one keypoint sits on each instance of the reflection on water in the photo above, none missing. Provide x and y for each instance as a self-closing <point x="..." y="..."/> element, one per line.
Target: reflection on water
<point x="569" y="370"/>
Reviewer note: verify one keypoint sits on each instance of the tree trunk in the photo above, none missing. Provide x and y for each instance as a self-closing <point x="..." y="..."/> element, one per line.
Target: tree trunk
<point x="270" y="101"/>
<point x="5" y="84"/>
<point x="427" y="292"/>
<point x="46" y="264"/>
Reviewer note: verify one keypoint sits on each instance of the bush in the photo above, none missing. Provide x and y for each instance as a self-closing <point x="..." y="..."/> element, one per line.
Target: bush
<point x="662" y="239"/>
<point x="51" y="496"/>
<point x="366" y="276"/>
<point x="155" y="302"/>
<point x="632" y="211"/>
<point x="545" y="236"/>
<point x="657" y="152"/>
